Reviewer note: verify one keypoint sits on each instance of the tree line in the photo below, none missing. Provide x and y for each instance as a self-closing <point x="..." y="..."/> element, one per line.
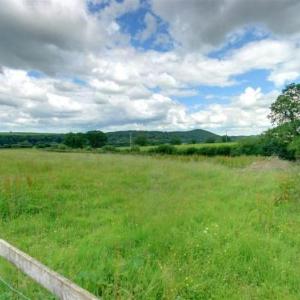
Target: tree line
<point x="93" y="139"/>
<point x="282" y="140"/>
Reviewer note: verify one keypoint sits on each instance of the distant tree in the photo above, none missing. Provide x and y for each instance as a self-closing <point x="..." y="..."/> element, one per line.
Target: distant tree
<point x="75" y="140"/>
<point x="193" y="141"/>
<point x="96" y="138"/>
<point x="175" y="141"/>
<point x="286" y="108"/>
<point x="141" y="140"/>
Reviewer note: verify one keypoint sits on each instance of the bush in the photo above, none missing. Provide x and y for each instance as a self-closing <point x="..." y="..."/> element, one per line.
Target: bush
<point x="109" y="148"/>
<point x="294" y="147"/>
<point x="208" y="151"/>
<point x="223" y="150"/>
<point x="58" y="147"/>
<point x="210" y="140"/>
<point x="42" y="145"/>
<point x="62" y="147"/>
<point x="24" y="144"/>
<point x="135" y="149"/>
<point x="276" y="141"/>
<point x="248" y="146"/>
<point x="163" y="149"/>
<point x="282" y="141"/>
<point x="189" y="151"/>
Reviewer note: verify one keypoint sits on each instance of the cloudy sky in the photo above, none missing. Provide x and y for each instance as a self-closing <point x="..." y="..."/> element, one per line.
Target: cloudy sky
<point x="77" y="65"/>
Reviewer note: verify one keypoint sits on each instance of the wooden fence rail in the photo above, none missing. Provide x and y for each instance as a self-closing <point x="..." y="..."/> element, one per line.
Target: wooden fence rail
<point x="60" y="286"/>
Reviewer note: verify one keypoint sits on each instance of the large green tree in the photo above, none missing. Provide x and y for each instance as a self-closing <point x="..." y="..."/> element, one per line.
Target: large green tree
<point x="75" y="140"/>
<point x="286" y="108"/>
<point x="96" y="138"/>
<point x="285" y="113"/>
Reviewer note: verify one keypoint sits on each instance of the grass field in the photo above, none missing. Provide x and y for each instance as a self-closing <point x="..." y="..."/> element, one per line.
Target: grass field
<point x="138" y="227"/>
<point x="184" y="146"/>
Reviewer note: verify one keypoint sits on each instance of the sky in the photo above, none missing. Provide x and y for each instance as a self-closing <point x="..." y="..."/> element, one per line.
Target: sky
<point x="79" y="65"/>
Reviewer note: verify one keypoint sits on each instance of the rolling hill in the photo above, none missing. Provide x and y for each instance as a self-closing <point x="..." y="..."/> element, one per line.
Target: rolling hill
<point x="121" y="138"/>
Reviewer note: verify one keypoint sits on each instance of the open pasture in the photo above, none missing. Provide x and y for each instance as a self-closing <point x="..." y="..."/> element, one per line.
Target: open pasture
<point x="139" y="227"/>
<point x="185" y="146"/>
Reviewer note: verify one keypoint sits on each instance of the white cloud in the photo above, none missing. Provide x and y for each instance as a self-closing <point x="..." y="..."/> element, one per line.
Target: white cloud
<point x="124" y="87"/>
<point x="150" y="27"/>
<point x="205" y="24"/>
<point x="245" y="113"/>
<point x="42" y="105"/>
<point x="49" y="35"/>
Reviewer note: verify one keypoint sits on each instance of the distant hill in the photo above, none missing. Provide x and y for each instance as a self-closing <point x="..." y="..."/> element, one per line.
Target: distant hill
<point x="121" y="138"/>
<point x="117" y="138"/>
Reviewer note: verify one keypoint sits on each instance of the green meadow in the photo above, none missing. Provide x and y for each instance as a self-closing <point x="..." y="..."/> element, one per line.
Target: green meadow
<point x="142" y="227"/>
<point x="185" y="146"/>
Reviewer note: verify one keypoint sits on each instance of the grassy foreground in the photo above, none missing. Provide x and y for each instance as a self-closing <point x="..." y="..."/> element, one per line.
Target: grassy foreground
<point x="138" y="227"/>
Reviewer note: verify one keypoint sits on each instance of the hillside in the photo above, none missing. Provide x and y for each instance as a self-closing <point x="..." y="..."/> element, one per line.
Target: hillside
<point x="121" y="138"/>
<point x="117" y="138"/>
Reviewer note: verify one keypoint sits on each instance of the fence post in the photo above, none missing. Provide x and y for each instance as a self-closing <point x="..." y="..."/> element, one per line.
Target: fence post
<point x="60" y="286"/>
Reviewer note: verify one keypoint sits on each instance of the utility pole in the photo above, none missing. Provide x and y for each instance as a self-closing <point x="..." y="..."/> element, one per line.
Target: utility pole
<point x="130" y="139"/>
<point x="226" y="136"/>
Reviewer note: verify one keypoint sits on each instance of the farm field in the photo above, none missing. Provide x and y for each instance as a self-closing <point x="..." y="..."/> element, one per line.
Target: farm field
<point x="139" y="227"/>
<point x="184" y="146"/>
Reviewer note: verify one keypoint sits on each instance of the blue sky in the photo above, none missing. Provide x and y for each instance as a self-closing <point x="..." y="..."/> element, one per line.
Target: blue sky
<point x="145" y="64"/>
<point x="133" y="23"/>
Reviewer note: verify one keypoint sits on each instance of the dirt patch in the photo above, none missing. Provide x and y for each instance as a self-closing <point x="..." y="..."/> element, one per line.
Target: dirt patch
<point x="267" y="164"/>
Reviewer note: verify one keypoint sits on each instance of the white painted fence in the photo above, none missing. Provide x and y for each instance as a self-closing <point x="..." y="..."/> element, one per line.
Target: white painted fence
<point x="60" y="286"/>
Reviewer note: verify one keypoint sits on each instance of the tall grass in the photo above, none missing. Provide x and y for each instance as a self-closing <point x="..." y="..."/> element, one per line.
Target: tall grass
<point x="139" y="227"/>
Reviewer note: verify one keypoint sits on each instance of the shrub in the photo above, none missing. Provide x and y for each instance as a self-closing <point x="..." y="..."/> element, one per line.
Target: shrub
<point x="276" y="141"/>
<point x="109" y="148"/>
<point x="189" y="151"/>
<point x="224" y="150"/>
<point x="24" y="144"/>
<point x="59" y="147"/>
<point x="62" y="147"/>
<point x="208" y="151"/>
<point x="135" y="149"/>
<point x="294" y="147"/>
<point x="164" y="149"/>
<point x="42" y="145"/>
<point x="248" y="146"/>
<point x="210" y="140"/>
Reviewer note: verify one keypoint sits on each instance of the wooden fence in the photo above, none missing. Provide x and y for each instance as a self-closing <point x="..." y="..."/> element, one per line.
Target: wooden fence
<point x="60" y="286"/>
